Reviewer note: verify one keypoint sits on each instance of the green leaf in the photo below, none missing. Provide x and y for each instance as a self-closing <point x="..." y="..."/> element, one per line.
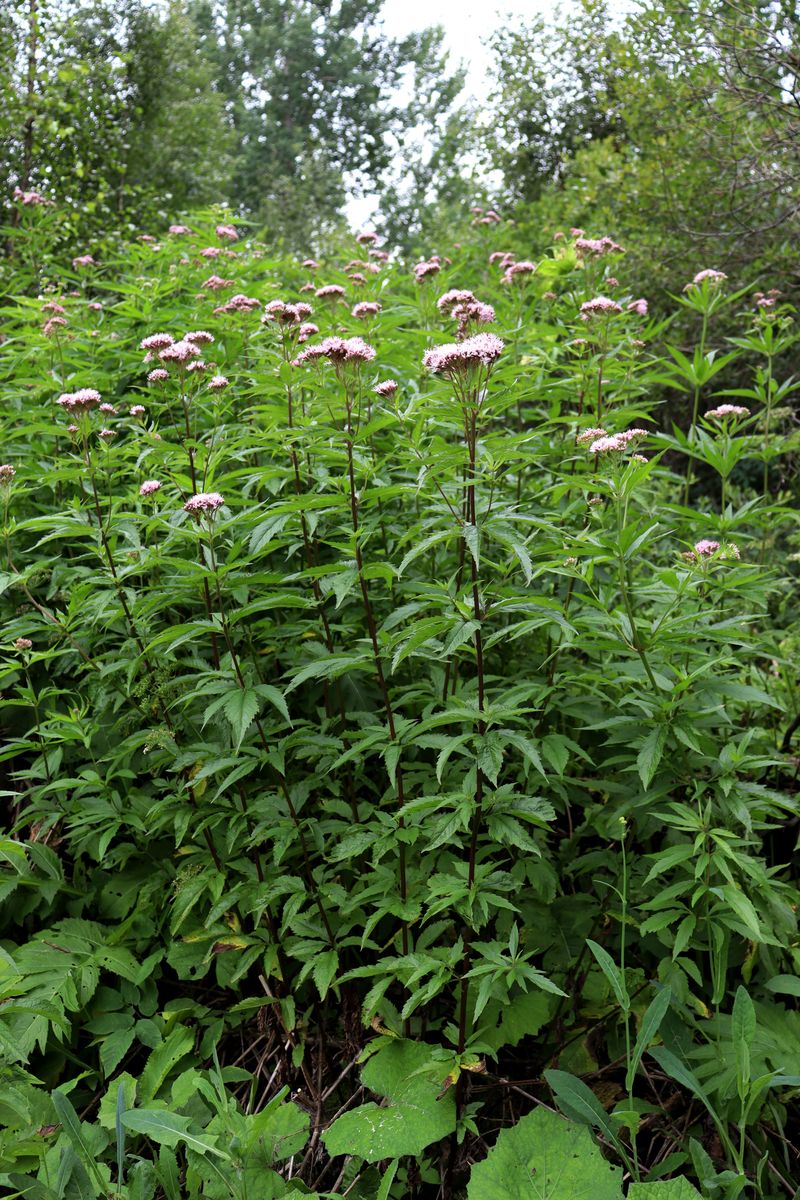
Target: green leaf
<point x="71" y="1125"/>
<point x="612" y="974"/>
<point x="401" y="1071"/>
<point x="664" y="1189"/>
<point x="579" y="1101"/>
<point x="162" y="1060"/>
<point x="472" y="538"/>
<point x="651" y="1023"/>
<point x="240" y="708"/>
<point x="545" y="1157"/>
<point x="650" y="754"/>
<point x="169" y="1129"/>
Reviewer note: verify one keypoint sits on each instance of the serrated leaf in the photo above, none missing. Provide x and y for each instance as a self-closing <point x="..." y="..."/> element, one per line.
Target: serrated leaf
<point x="545" y="1157"/>
<point x="650" y="755"/>
<point x="240" y="708"/>
<point x="415" y="1116"/>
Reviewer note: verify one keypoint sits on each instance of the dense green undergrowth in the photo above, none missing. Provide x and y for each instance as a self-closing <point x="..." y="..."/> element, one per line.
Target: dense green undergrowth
<point x="400" y="781"/>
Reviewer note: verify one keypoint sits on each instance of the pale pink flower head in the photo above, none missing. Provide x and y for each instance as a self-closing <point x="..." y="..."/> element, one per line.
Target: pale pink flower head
<point x="228" y="232"/>
<point x="156" y="341"/>
<point x="306" y="330"/>
<point x="727" y="410"/>
<point x="51" y="327"/>
<point x="472" y="313"/>
<point x="589" y="435"/>
<point x="576" y="233"/>
<point x="23" y="644"/>
<point x="456" y="358"/>
<point x="502" y="257"/>
<point x="598" y="307"/>
<point x="215" y="283"/>
<point x="331" y="291"/>
<point x="358" y="278"/>
<point x="423" y="270"/>
<point x="612" y="444"/>
<point x="108" y="408"/>
<point x="204" y="502"/>
<point x="158" y="376"/>
<point x="387" y="387"/>
<point x="308" y="287"/>
<point x="106" y="434"/>
<point x="30" y="199"/>
<point x="449" y="300"/>
<point x="310" y="264"/>
<point x="366" y="309"/>
<point x="73" y="429"/>
<point x="639" y="307"/>
<point x="95" y="306"/>
<point x="199" y="337"/>
<point x="558" y="236"/>
<point x="195" y="367"/>
<point x="177" y="231"/>
<point x="596" y="247"/>
<point x="380" y="256"/>
<point x="149" y="487"/>
<point x="210" y="252"/>
<point x="83" y="260"/>
<point x="179" y="352"/>
<point x="84" y="400"/>
<point x="53" y="307"/>
<point x="367" y="238"/>
<point x="339" y="351"/>
<point x="238" y="303"/>
<point x="705" y="548"/>
<point x="712" y="278"/>
<point x="519" y="271"/>
<point x="217" y="383"/>
<point x="137" y="410"/>
<point x="7" y="473"/>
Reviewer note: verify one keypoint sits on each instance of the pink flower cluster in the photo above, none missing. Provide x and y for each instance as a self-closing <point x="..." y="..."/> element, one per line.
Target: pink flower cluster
<point x="156" y="341"/>
<point x="215" y="283"/>
<point x="310" y="264"/>
<point x="149" y="487"/>
<point x="286" y="314"/>
<point x="238" y="303"/>
<point x="30" y="199"/>
<point x="84" y="400"/>
<point x="639" y="307"/>
<point x="353" y="351"/>
<point x="430" y="266"/>
<point x="83" y="260"/>
<point x="713" y="278"/>
<point x="367" y="238"/>
<point x="7" y="473"/>
<point x="180" y="352"/>
<point x="51" y="327"/>
<point x="228" y="232"/>
<point x="599" y="306"/>
<point x="727" y="410"/>
<point x="387" y="387"/>
<point x="23" y="644"/>
<point x="482" y="350"/>
<point x="331" y="291"/>
<point x="707" y="548"/>
<point x="613" y="443"/>
<point x="518" y="270"/>
<point x="207" y="502"/>
<point x="199" y="337"/>
<point x="367" y="308"/>
<point x="179" y="230"/>
<point x="158" y="376"/>
<point x="217" y="383"/>
<point x="596" y="247"/>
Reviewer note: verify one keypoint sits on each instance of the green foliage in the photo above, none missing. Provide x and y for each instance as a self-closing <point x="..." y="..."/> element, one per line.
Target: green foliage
<point x="543" y="1155"/>
<point x="395" y="763"/>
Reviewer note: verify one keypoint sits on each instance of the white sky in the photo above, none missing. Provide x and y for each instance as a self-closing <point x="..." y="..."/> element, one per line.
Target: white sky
<point x="467" y="24"/>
